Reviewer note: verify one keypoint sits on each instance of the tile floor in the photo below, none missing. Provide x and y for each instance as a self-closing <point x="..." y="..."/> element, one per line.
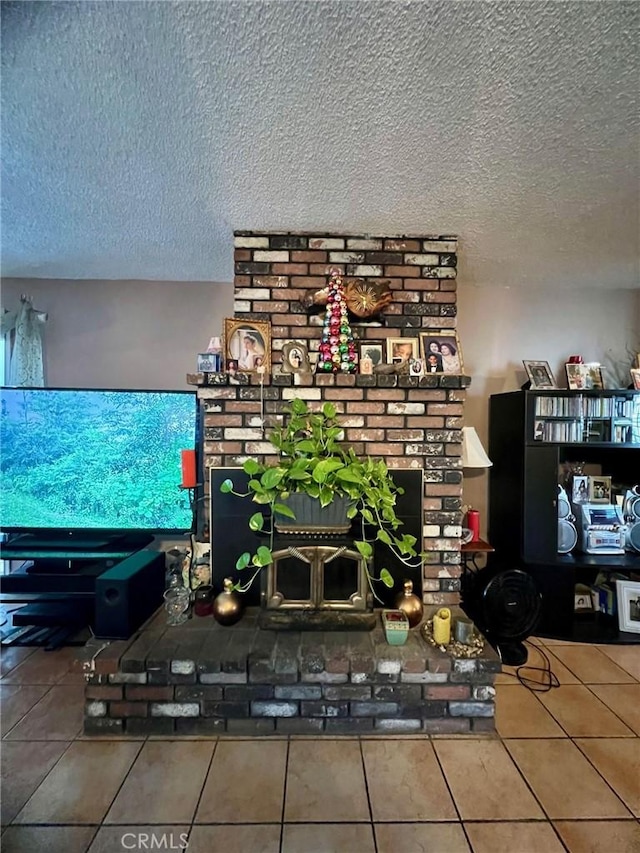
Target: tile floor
<point x="562" y="773"/>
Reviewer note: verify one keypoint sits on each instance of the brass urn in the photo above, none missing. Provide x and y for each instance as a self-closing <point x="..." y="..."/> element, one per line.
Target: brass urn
<point x="227" y="606"/>
<point x="410" y="604"/>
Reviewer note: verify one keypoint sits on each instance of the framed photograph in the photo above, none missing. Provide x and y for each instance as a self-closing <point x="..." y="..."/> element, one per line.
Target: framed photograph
<point x="295" y="358"/>
<point x="635" y="378"/>
<point x="370" y="351"/>
<point x="628" y="596"/>
<point x="206" y="364"/>
<point x="440" y="350"/>
<point x="584" y="377"/>
<point x="249" y="343"/>
<point x="600" y="489"/>
<point x="539" y="374"/>
<point x="580" y="489"/>
<point x="402" y="349"/>
<point x="416" y="367"/>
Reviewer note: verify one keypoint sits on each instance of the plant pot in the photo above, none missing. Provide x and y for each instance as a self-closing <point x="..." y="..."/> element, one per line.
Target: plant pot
<point x="312" y="517"/>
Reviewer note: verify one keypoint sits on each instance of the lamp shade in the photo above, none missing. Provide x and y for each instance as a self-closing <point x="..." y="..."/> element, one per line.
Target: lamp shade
<point x="473" y="453"/>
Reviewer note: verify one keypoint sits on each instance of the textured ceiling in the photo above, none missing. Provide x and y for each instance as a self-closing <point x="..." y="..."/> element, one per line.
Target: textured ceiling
<point x="137" y="136"/>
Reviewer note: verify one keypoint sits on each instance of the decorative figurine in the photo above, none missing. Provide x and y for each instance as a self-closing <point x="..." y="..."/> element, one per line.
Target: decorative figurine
<point x="337" y="351"/>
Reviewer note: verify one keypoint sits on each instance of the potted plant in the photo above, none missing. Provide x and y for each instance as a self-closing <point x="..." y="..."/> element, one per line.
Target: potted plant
<point x="315" y="466"/>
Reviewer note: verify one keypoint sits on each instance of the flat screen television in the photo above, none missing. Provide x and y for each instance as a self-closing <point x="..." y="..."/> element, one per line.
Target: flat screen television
<point x="91" y="463"/>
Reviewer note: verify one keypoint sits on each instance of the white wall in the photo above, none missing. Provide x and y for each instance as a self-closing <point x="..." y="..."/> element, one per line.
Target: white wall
<point x="123" y="334"/>
<point x="145" y="334"/>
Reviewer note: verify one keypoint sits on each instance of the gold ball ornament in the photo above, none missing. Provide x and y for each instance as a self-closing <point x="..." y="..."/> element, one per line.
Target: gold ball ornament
<point x="410" y="604"/>
<point x="227" y="606"/>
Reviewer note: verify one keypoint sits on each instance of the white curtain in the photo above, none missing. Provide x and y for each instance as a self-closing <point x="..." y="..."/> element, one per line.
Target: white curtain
<point x="26" y="365"/>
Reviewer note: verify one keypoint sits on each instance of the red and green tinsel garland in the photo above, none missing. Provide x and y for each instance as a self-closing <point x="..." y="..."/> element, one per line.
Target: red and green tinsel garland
<point x="337" y="351"/>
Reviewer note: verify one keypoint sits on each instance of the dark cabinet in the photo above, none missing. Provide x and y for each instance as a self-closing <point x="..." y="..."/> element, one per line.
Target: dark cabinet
<point x="533" y="437"/>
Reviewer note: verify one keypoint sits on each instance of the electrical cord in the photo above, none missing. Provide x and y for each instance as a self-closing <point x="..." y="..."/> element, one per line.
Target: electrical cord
<point x="549" y="679"/>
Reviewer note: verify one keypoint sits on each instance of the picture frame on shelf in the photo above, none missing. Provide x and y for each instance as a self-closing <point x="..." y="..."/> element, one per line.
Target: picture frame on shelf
<point x="295" y="358"/>
<point x="599" y="489"/>
<point x="416" y="367"/>
<point x="540" y="375"/>
<point x="628" y="600"/>
<point x="441" y="351"/>
<point x="635" y="378"/>
<point x="400" y="350"/>
<point x="248" y="342"/>
<point x="205" y="363"/>
<point x="373" y="351"/>
<point x="585" y="377"/>
<point x="580" y="489"/>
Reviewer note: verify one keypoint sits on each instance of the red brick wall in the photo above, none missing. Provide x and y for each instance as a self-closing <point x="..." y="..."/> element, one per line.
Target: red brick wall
<point x="413" y="422"/>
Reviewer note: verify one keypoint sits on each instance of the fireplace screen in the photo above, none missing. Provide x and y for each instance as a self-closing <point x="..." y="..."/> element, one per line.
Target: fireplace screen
<point x="316" y="577"/>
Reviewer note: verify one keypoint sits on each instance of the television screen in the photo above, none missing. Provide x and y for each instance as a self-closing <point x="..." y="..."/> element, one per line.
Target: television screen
<point x="91" y="460"/>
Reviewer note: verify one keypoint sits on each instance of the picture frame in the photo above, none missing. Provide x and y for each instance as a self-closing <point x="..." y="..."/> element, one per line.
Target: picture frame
<point x="580" y="489"/>
<point x="628" y="600"/>
<point x="205" y="364"/>
<point x="635" y="378"/>
<point x="249" y="342"/>
<point x="584" y="377"/>
<point x="540" y="374"/>
<point x="416" y="367"/>
<point x="295" y="358"/>
<point x="600" y="489"/>
<point x="441" y="351"/>
<point x="374" y="350"/>
<point x="401" y="349"/>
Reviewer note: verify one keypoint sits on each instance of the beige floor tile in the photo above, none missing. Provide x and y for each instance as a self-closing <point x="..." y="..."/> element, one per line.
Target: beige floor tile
<point x="257" y="838"/>
<point x="606" y="836"/>
<point x="628" y="657"/>
<point x="405" y="781"/>
<point x="57" y="716"/>
<point x="24" y="766"/>
<point x="618" y="760"/>
<point x="164" y="783"/>
<point x="563" y="780"/>
<point x="82" y="785"/>
<point x="591" y="666"/>
<point x="47" y="839"/>
<point x="11" y="657"/>
<point x="516" y="837"/>
<point x="581" y="714"/>
<point x="547" y="641"/>
<point x="245" y="783"/>
<point x="484" y="781"/>
<point x="325" y="782"/>
<point x="623" y="699"/>
<point x="519" y="714"/>
<point x="43" y="667"/>
<point x="124" y="839"/>
<point x="328" y="838"/>
<point x="15" y="701"/>
<point x="536" y="667"/>
<point x="421" y="838"/>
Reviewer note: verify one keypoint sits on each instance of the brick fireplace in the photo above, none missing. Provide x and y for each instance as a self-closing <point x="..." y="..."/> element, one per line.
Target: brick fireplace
<point x="201" y="678"/>
<point x="413" y="423"/>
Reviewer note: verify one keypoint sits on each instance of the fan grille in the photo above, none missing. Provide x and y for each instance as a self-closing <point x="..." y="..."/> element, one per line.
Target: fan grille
<point x="511" y="605"/>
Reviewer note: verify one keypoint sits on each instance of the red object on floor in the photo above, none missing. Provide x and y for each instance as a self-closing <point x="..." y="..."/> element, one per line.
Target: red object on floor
<point x="188" y="469"/>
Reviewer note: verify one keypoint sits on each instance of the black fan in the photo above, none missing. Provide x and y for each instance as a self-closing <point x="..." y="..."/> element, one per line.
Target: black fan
<point x="505" y="605"/>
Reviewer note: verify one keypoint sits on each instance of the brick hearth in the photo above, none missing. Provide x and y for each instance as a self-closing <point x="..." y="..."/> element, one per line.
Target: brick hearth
<point x="204" y="679"/>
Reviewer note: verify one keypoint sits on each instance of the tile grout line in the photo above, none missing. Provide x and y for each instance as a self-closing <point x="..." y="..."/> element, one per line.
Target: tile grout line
<point x="284" y="794"/>
<point x="366" y="787"/>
